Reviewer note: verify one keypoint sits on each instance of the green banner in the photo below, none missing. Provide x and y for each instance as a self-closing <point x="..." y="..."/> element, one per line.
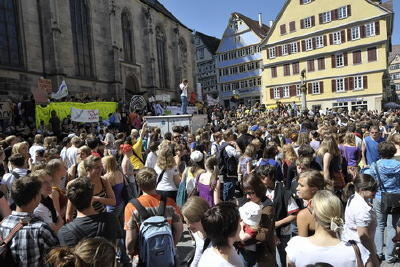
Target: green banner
<point x="63" y="109"/>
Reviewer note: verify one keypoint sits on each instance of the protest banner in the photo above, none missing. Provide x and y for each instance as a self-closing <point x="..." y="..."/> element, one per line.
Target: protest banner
<point x="45" y="85"/>
<point x="63" y="109"/>
<point x="84" y="115"/>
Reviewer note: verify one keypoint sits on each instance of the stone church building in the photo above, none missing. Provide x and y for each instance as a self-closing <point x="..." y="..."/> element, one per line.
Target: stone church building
<point x="105" y="48"/>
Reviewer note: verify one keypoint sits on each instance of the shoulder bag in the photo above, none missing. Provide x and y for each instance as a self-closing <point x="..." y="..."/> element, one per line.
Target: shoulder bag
<point x="390" y="202"/>
<point x="357" y="252"/>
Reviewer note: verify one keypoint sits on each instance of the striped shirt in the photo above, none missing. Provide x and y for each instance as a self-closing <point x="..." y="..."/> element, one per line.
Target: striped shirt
<point x="151" y="203"/>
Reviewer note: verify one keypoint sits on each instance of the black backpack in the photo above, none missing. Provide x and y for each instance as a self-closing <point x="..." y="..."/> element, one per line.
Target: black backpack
<point x="227" y="165"/>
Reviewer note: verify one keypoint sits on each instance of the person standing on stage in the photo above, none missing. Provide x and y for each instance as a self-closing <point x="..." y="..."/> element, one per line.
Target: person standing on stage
<point x="184" y="95"/>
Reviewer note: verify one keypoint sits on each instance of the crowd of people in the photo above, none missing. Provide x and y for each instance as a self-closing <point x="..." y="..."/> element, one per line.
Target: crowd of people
<point x="254" y="187"/>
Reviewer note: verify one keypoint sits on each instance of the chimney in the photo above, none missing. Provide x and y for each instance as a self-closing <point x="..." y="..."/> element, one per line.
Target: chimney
<point x="270" y="23"/>
<point x="260" y="20"/>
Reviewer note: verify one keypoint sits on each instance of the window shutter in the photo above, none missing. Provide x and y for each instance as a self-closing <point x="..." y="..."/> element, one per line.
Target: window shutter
<point x="377" y="28"/>
<point x="271" y="93"/>
<point x="333" y="14"/>
<point x="331" y="38"/>
<point x="371" y="54"/>
<point x="346" y="84"/>
<point x="362" y="31"/>
<point x="349" y="10"/>
<point x="281" y="91"/>
<point x="321" y="87"/>
<point x="356" y="57"/>
<point x="351" y="83"/>
<point x="345" y="58"/>
<point x="312" y="21"/>
<point x="365" y="82"/>
<point x="343" y="36"/>
<point x="301" y="2"/>
<point x="292" y="90"/>
<point x="268" y="54"/>
<point x="349" y="34"/>
<point x="333" y="85"/>
<point x="289" y="49"/>
<point x="333" y="57"/>
<point x="279" y="51"/>
<point x="283" y="29"/>
<point x="303" y="45"/>
<point x="302" y="23"/>
<point x="320" y="18"/>
<point x="292" y="26"/>
<point x="310" y="88"/>
<point x="314" y="43"/>
<point x="325" y="41"/>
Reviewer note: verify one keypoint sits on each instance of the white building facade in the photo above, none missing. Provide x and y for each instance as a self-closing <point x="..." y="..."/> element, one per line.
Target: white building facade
<point x="206" y="47"/>
<point x="239" y="61"/>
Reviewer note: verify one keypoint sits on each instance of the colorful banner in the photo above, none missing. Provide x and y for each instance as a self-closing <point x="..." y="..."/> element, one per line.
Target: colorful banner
<point x="63" y="109"/>
<point x="84" y="115"/>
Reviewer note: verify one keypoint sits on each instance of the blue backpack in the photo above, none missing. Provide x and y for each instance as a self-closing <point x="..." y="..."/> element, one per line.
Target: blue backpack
<point x="155" y="242"/>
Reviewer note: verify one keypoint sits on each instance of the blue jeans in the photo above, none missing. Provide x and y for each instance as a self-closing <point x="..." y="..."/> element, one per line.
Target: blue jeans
<point x="389" y="222"/>
<point x="184" y="104"/>
<point x="228" y="189"/>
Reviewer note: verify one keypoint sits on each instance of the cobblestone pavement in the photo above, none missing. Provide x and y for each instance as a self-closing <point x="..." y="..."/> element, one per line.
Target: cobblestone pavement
<point x="185" y="248"/>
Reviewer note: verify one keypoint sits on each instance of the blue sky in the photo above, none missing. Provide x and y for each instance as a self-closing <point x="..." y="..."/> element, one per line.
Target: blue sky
<point x="211" y="16"/>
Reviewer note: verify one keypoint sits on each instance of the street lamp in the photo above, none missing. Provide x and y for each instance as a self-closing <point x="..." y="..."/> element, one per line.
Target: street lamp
<point x="303" y="89"/>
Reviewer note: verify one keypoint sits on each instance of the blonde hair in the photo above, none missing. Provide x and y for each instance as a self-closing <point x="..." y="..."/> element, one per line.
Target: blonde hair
<point x="250" y="150"/>
<point x="350" y="139"/>
<point x="328" y="211"/>
<point x="165" y="159"/>
<point x="146" y="179"/>
<point x="314" y="179"/>
<point x="53" y="166"/>
<point x="194" y="209"/>
<point x="94" y="252"/>
<point x="395" y="139"/>
<point x="328" y="145"/>
<point x="110" y="164"/>
<point x="86" y="150"/>
<point x="16" y="149"/>
<point x="289" y="153"/>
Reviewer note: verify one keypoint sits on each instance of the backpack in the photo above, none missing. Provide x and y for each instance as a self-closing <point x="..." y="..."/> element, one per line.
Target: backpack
<point x="155" y="241"/>
<point x="227" y="165"/>
<point x="6" y="257"/>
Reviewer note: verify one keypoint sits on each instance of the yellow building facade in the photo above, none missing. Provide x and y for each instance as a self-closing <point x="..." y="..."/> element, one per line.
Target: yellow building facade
<point x="342" y="47"/>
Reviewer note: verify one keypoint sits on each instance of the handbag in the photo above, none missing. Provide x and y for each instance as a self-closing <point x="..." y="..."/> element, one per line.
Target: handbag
<point x="195" y="191"/>
<point x="390" y="201"/>
<point x="357" y="252"/>
<point x="127" y="193"/>
<point x="181" y="196"/>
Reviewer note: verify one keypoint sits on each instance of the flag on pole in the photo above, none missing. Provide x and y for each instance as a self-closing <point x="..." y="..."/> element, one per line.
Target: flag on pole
<point x="62" y="91"/>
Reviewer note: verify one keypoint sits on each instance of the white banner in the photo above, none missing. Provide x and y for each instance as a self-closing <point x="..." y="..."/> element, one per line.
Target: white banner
<point x="84" y="115"/>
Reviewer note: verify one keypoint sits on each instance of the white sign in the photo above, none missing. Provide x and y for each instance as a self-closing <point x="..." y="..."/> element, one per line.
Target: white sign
<point x="5" y="110"/>
<point x="211" y="101"/>
<point x="175" y="110"/>
<point x="84" y="115"/>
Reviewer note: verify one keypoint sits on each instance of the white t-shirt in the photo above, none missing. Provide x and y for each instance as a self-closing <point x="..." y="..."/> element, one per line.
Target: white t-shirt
<point x="211" y="258"/>
<point x="151" y="160"/>
<point x="302" y="252"/>
<point x="199" y="249"/>
<point x="43" y="213"/>
<point x="167" y="180"/>
<point x="184" y="89"/>
<point x="358" y="214"/>
<point x="8" y="180"/>
<point x="32" y="151"/>
<point x="72" y="153"/>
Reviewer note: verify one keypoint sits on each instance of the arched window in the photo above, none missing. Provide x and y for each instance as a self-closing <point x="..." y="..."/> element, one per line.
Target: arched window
<point x="10" y="46"/>
<point x="161" y="57"/>
<point x="127" y="37"/>
<point x="80" y="23"/>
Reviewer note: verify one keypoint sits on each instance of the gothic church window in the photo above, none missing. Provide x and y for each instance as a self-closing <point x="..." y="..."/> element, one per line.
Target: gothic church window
<point x="127" y="36"/>
<point x="10" y="46"/>
<point x="80" y="25"/>
<point x="161" y="57"/>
